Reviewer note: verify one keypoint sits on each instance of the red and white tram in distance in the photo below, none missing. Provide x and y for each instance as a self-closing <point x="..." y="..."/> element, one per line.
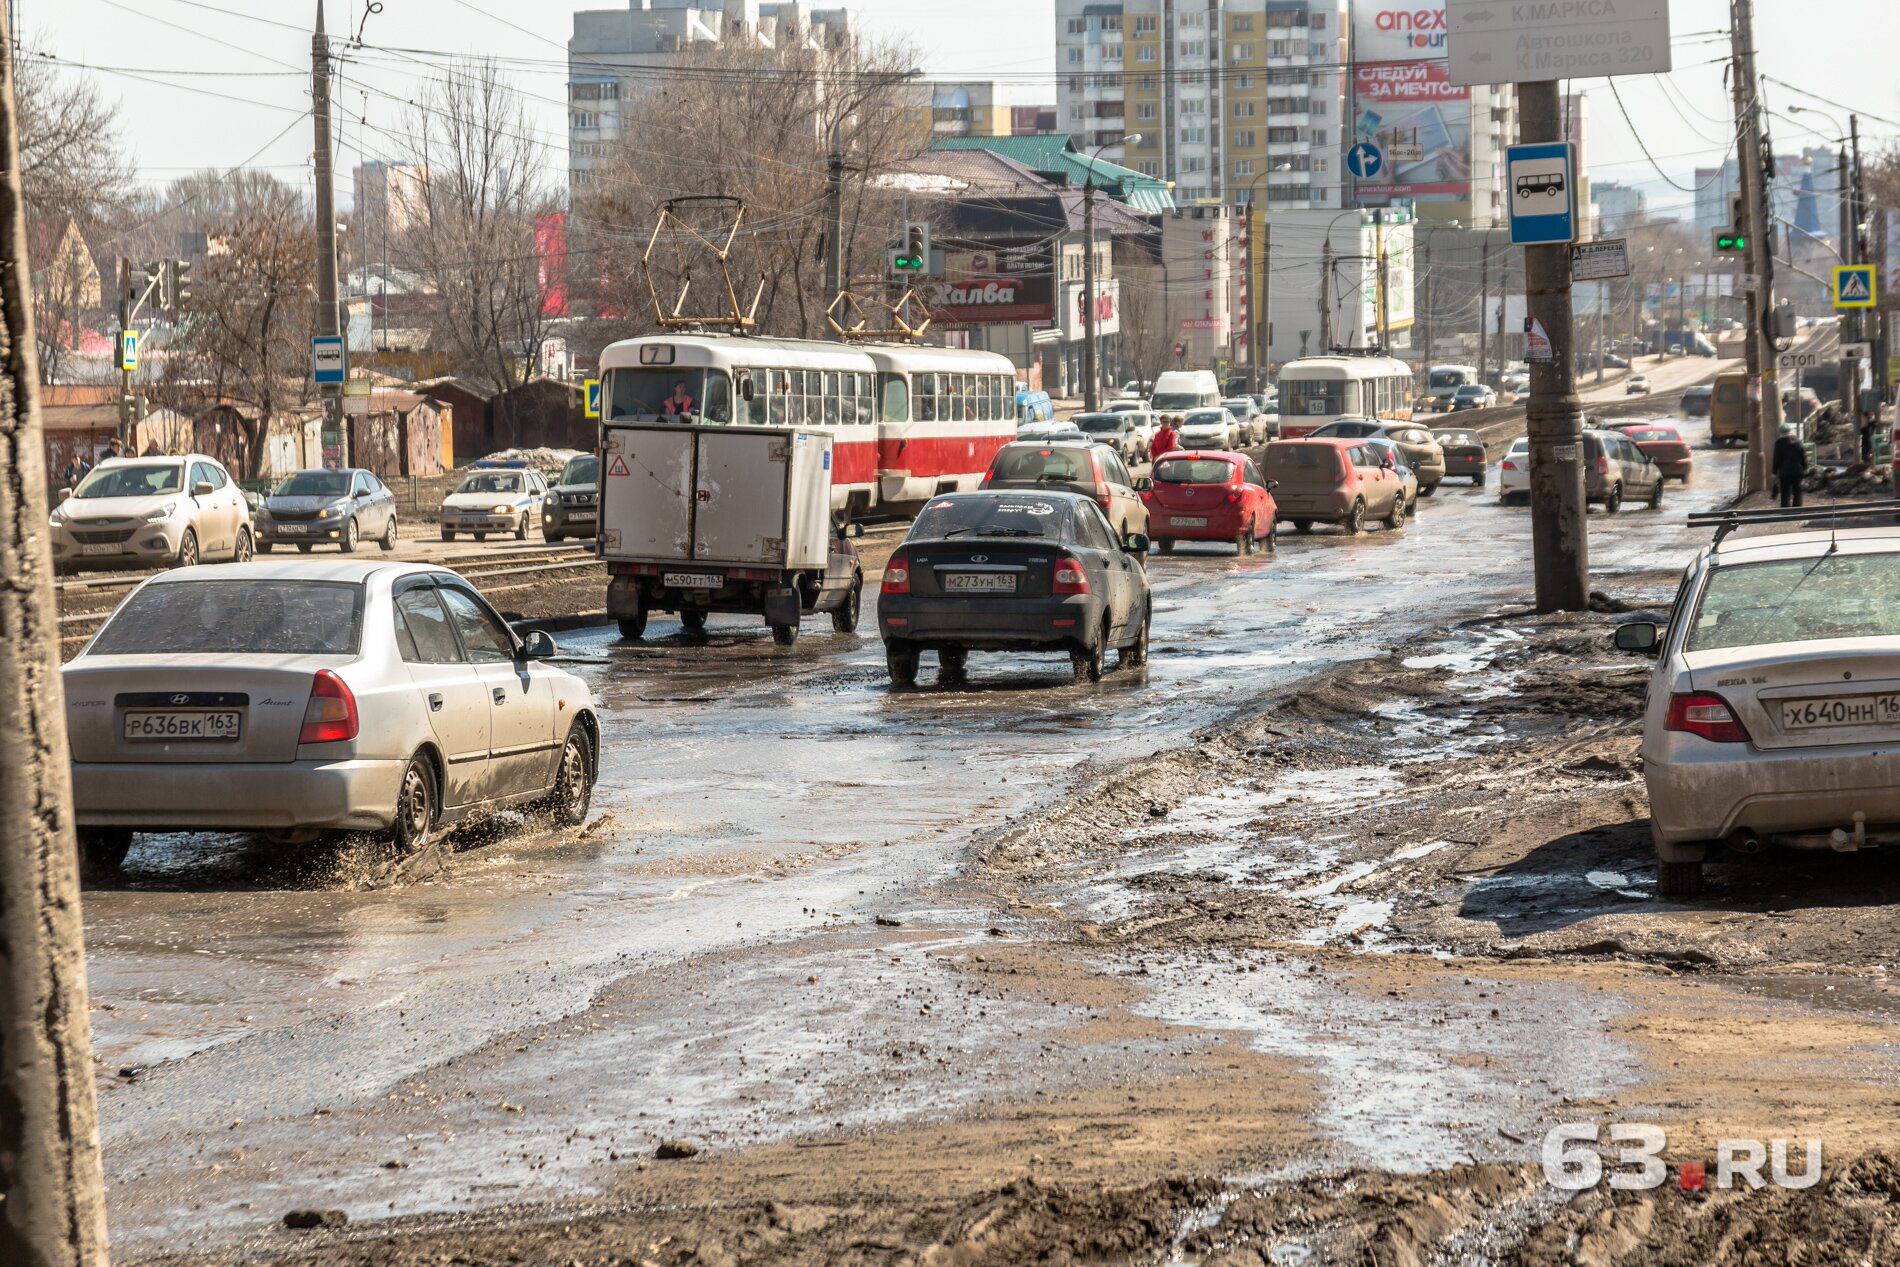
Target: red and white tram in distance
<point x="906" y="422"/>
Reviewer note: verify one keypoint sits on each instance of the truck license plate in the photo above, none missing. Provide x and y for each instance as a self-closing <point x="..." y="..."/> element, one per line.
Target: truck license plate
<point x="1180" y="521"/>
<point x="1854" y="710"/>
<point x="164" y="727"/>
<point x="692" y="581"/>
<point x="980" y="582"/>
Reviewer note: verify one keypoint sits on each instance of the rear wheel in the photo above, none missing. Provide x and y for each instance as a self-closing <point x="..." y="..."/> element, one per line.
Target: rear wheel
<point x="1396" y="520"/>
<point x="1426" y="490"/>
<point x="1267" y="541"/>
<point x="1243" y="541"/>
<point x="1086" y="662"/>
<point x="634" y="627"/>
<point x="1613" y="500"/>
<point x="901" y="660"/>
<point x="1478" y="479"/>
<point x="389" y="535"/>
<point x="785" y="635"/>
<point x="415" y="807"/>
<point x="1135" y="654"/>
<point x="350" y="534"/>
<point x="448" y="534"/>
<point x="1355" y="520"/>
<point x="1678" y="879"/>
<point x="844" y="620"/>
<point x="102" y="850"/>
<point x="952" y="664"/>
<point x="573" y="794"/>
<point x="1166" y="544"/>
<point x="694" y="622"/>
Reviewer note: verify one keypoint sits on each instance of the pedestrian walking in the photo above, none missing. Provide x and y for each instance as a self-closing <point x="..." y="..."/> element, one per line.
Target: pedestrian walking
<point x="1166" y="440"/>
<point x="1791" y="464"/>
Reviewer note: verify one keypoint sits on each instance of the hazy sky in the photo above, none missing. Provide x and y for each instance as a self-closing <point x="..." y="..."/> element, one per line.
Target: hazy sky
<point x="256" y="53"/>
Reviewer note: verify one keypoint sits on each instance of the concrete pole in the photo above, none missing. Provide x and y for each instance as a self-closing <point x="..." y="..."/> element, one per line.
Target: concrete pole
<point x="834" y="215"/>
<point x="52" y="1196"/>
<point x="1091" y="387"/>
<point x="1762" y="413"/>
<point x="1325" y="296"/>
<point x="1560" y="542"/>
<point x="329" y="321"/>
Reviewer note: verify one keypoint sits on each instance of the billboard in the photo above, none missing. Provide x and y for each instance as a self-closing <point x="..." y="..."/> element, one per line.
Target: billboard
<point x="550" y="257"/>
<point x="1000" y="284"/>
<point x="1405" y="103"/>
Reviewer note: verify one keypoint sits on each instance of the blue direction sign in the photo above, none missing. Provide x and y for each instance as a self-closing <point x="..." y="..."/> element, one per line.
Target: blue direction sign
<point x="1365" y="161"/>
<point x="592" y="389"/>
<point x="1854" y="286"/>
<point x="1542" y="185"/>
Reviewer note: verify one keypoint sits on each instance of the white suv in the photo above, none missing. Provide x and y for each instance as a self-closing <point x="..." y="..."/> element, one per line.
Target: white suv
<point x="152" y="511"/>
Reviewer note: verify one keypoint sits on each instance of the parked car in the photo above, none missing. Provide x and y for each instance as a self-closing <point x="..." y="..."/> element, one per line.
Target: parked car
<point x="1663" y="445"/>
<point x="1347" y="482"/>
<point x="319" y="507"/>
<point x="1078" y="466"/>
<point x="1614" y="362"/>
<point x="1473" y="396"/>
<point x="1128" y="404"/>
<point x="1120" y="431"/>
<point x="1614" y="470"/>
<point x="293" y="699"/>
<point x="1211" y="496"/>
<point x="1514" y="474"/>
<point x="1771" y="719"/>
<point x="1465" y="453"/>
<point x="1211" y="428"/>
<point x="494" y="499"/>
<point x="132" y="512"/>
<point x="1695" y="400"/>
<point x="1015" y="571"/>
<point x="1638" y="385"/>
<point x="1252" y="422"/>
<point x="1423" y="454"/>
<point x="572" y="506"/>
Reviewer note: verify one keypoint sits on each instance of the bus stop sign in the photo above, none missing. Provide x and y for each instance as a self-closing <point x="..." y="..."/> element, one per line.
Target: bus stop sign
<point x="1542" y="188"/>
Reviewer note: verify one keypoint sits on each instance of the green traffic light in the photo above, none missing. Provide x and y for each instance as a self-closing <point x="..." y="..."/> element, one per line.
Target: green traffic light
<point x="1731" y="242"/>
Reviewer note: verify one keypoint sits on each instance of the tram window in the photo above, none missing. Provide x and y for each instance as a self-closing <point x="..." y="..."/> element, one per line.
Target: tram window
<point x="717" y="406"/>
<point x="985" y="398"/>
<point x="896" y="399"/>
<point x="926" y="388"/>
<point x="867" y="408"/>
<point x="831" y="397"/>
<point x="754" y="403"/>
<point x="1351" y="398"/>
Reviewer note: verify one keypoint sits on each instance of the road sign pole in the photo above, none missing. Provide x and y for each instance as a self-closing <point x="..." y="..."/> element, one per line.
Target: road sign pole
<point x="1560" y="541"/>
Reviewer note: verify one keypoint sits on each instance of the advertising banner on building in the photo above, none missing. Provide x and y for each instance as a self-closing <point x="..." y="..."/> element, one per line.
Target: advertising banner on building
<point x="550" y="255"/>
<point x="1406" y="106"/>
<point x="1890" y="242"/>
<point x="1003" y="284"/>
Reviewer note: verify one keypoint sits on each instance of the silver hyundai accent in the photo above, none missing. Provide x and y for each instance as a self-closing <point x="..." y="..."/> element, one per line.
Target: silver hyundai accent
<point x="1773" y="716"/>
<point x="293" y="699"/>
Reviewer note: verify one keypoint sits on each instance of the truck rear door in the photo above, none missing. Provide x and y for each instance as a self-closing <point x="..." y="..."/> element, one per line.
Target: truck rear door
<point x="646" y="493"/>
<point x="740" y="511"/>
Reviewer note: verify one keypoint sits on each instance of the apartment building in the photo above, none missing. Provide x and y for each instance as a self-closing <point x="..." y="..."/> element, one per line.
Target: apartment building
<point x="616" y="53"/>
<point x="1234" y="100"/>
<point x="986" y="109"/>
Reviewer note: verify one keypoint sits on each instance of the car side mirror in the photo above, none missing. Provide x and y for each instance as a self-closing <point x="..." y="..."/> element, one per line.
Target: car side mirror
<point x="203" y="488"/>
<point x="1387" y="464"/>
<point x="65" y="494"/>
<point x="361" y="493"/>
<point x="851" y="531"/>
<point x="1270" y="485"/>
<point x="1143" y="484"/>
<point x="1136" y="543"/>
<point x="538" y="646"/>
<point x="1640" y="635"/>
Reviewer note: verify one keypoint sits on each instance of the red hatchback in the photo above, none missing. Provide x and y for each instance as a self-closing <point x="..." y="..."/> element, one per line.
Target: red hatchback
<point x="1665" y="447"/>
<point x="1210" y="495"/>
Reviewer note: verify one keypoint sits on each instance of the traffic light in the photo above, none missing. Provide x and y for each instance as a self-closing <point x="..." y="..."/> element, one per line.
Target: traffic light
<point x="1731" y="241"/>
<point x="181" y="285"/>
<point x="157" y="285"/>
<point x="914" y="256"/>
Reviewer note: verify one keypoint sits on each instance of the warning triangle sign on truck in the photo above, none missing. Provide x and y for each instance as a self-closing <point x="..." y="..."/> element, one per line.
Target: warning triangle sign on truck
<point x="618" y="466"/>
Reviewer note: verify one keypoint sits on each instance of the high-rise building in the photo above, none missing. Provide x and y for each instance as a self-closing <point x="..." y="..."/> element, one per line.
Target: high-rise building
<point x="1234" y="100"/>
<point x="389" y="198"/>
<point x="616" y="53"/>
<point x="1806" y="193"/>
<point x="1619" y="206"/>
<point x="985" y="108"/>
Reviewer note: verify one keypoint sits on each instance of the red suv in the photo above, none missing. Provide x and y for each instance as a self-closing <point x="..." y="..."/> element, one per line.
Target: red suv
<point x="1210" y="496"/>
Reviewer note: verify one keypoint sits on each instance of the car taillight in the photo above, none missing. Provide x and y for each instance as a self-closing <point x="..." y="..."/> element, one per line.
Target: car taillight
<point x="330" y="717"/>
<point x="1070" y="577"/>
<point x="1510" y="466"/>
<point x="1701" y="713"/>
<point x="1233" y="497"/>
<point x="1101" y="497"/>
<point x="1603" y="466"/>
<point x="897" y="576"/>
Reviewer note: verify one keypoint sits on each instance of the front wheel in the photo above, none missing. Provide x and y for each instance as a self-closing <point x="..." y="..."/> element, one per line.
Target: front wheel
<point x="263" y="547"/>
<point x="573" y="792"/>
<point x="902" y="663"/>
<point x="1656" y="494"/>
<point x="102" y="850"/>
<point x="389" y="535"/>
<point x="415" y="807"/>
<point x="448" y="534"/>
<point x="844" y="620"/>
<point x="1678" y="879"/>
<point x="188" y="549"/>
<point x="304" y="547"/>
<point x="350" y="535"/>
<point x="521" y="529"/>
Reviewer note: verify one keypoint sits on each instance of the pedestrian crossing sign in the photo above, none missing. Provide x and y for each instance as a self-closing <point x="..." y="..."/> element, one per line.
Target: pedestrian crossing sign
<point x="1854" y="286"/>
<point x="591" y="391"/>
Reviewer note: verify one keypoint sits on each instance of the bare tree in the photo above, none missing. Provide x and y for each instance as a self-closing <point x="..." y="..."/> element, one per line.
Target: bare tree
<point x="246" y="340"/>
<point x="52" y="1197"/>
<point x="1147" y="338"/>
<point x="738" y="119"/>
<point x="482" y="187"/>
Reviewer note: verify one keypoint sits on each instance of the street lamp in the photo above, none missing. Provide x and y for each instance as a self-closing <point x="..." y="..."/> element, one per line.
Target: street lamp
<point x="1092" y="386"/>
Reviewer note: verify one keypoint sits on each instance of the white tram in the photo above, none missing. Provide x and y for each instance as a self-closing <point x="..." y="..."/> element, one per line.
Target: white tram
<point x="906" y="422"/>
<point x="1316" y="390"/>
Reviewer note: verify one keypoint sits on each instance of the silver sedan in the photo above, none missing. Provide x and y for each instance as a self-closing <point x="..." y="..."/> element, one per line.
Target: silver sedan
<point x="1773" y="716"/>
<point x="303" y="698"/>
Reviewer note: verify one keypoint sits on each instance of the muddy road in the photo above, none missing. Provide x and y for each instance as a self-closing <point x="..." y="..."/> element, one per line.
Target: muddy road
<point x="1327" y="914"/>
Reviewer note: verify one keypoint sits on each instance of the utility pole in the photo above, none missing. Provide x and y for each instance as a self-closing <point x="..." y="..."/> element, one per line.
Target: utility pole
<point x="125" y="324"/>
<point x="336" y="435"/>
<point x="1764" y="391"/>
<point x="1425" y="300"/>
<point x="1091" y="384"/>
<point x="1325" y="296"/>
<point x="1484" y="309"/>
<point x="834" y="213"/>
<point x="52" y="1193"/>
<point x="1378" y="239"/>
<point x="1560" y="541"/>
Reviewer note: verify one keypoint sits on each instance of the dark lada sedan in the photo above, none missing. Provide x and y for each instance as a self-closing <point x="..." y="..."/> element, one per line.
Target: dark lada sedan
<point x="1014" y="571"/>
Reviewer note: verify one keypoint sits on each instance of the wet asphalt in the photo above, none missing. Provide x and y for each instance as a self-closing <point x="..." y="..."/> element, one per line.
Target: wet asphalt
<point x="518" y="1027"/>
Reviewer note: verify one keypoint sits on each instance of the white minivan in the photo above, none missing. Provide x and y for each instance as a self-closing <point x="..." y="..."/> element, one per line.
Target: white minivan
<point x="1178" y="391"/>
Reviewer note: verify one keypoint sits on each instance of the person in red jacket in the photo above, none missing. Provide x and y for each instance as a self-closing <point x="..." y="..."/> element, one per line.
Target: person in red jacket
<point x="1166" y="440"/>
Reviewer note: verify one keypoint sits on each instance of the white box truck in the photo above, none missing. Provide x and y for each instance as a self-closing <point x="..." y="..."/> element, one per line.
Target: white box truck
<point x="701" y="519"/>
